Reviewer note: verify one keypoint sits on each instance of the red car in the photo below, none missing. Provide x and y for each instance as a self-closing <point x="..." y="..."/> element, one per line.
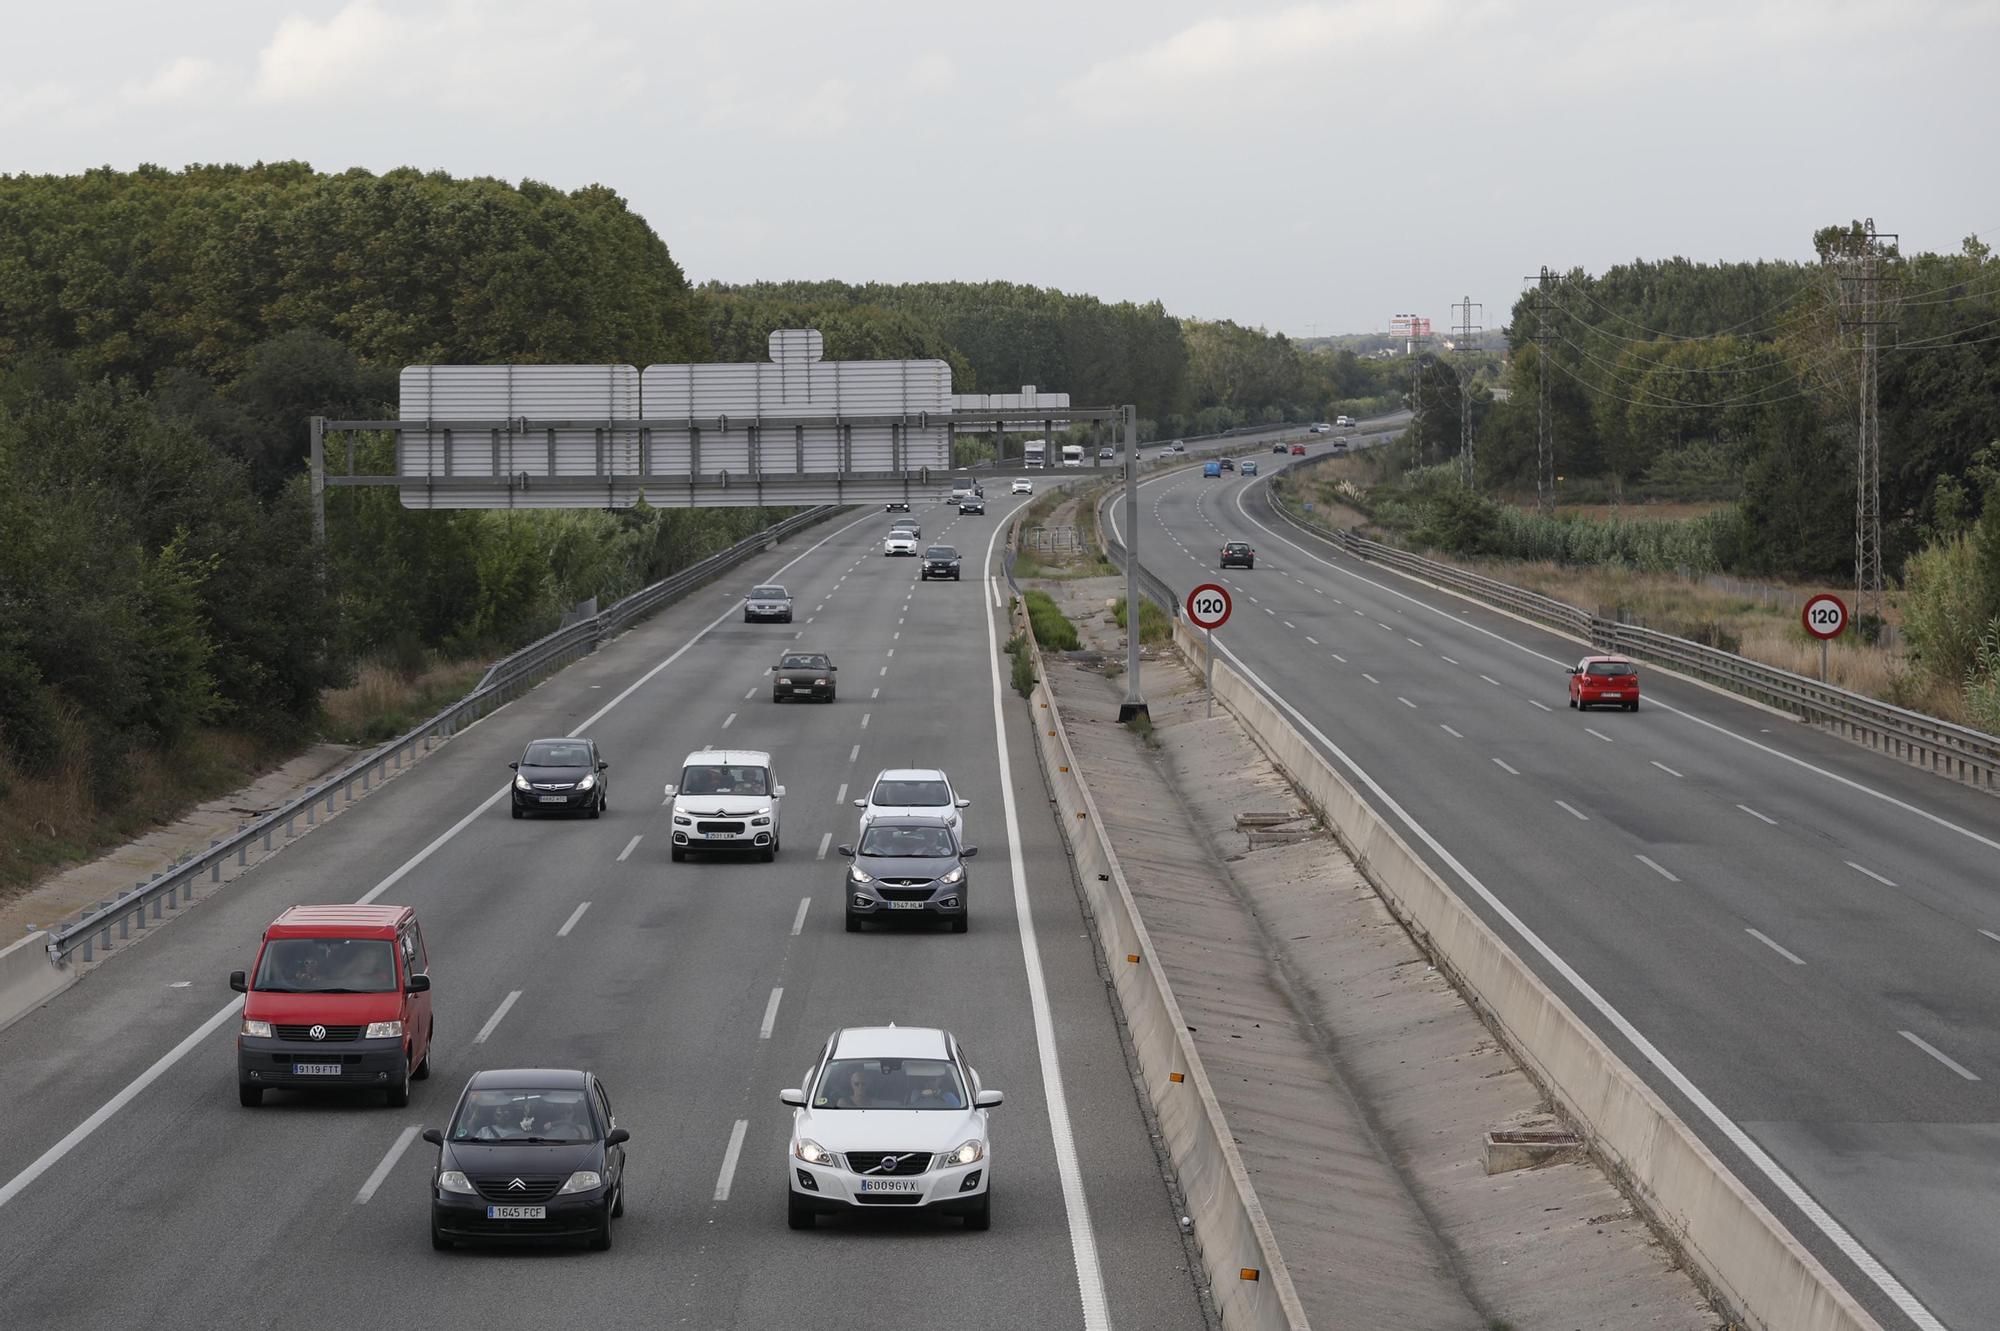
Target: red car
<point x="1608" y="680"/>
<point x="1298" y="450"/>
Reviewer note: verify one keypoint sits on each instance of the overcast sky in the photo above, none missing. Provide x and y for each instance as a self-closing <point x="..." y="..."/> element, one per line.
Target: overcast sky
<point x="1301" y="166"/>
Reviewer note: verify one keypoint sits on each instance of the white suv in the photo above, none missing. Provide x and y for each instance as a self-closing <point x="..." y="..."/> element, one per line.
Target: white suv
<point x="920" y="791"/>
<point x="1022" y="486"/>
<point x="890" y="1116"/>
<point x="727" y="799"/>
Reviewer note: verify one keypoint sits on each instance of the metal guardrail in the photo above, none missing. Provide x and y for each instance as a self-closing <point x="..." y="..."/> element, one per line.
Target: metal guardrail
<point x="1960" y="752"/>
<point x="507" y="679"/>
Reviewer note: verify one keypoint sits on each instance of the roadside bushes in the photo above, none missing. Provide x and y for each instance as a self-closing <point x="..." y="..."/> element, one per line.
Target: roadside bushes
<point x="1154" y="626"/>
<point x="1052" y="627"/>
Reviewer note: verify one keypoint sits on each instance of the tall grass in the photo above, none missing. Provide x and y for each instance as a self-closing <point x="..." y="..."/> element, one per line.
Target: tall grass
<point x="1052" y="627"/>
<point x="1154" y="625"/>
<point x="385" y="701"/>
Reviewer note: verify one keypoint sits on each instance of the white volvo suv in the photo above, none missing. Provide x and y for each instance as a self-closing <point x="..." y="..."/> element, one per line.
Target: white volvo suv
<point x="727" y="799"/>
<point x="890" y="1116"/>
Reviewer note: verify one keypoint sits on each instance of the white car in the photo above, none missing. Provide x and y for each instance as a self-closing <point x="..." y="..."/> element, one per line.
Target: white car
<point x="1022" y="486"/>
<point x="1320" y="428"/>
<point x="890" y="1116"/>
<point x="900" y="542"/>
<point x="726" y="799"/>
<point x="1344" y="422"/>
<point x="920" y="791"/>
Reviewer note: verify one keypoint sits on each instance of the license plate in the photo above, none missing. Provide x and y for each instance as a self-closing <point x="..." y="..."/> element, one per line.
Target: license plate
<point x="315" y="1069"/>
<point x="889" y="1185"/>
<point x="555" y="799"/>
<point x="801" y="690"/>
<point x="908" y="905"/>
<point x="1610" y="693"/>
<point x="517" y="1213"/>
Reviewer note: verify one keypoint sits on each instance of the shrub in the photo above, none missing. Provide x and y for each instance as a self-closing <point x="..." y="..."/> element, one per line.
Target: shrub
<point x="1941" y="602"/>
<point x="1052" y="627"/>
<point x="1154" y="625"/>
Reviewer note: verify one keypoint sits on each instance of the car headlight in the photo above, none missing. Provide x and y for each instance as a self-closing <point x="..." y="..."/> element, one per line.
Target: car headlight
<point x="785" y="681"/>
<point x="583" y="1180"/>
<point x="966" y="1153"/>
<point x="383" y="1030"/>
<point x="761" y="820"/>
<point x="259" y="1029"/>
<point x="452" y="1180"/>
<point x="521" y="783"/>
<point x="955" y="876"/>
<point x="682" y="820"/>
<point x="810" y="1151"/>
<point x="589" y="780"/>
<point x="857" y="874"/>
<point x="820" y="682"/>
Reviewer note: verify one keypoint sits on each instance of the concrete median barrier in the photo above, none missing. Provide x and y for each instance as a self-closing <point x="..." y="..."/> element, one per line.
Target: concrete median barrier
<point x="28" y="978"/>
<point x="1747" y="1257"/>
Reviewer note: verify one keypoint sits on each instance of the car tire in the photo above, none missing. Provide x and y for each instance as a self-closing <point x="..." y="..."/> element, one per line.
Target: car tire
<point x="799" y="1213"/>
<point x="1572" y="703"/>
<point x="769" y="853"/>
<point x="853" y="923"/>
<point x="1632" y="706"/>
<point x="831" y="694"/>
<point x="249" y="1096"/>
<point x="398" y="1095"/>
<point x="962" y="923"/>
<point x="518" y="813"/>
<point x="746" y="617"/>
<point x="439" y="1243"/>
<point x="601" y="1240"/>
<point x="678" y="853"/>
<point x="980" y="1217"/>
<point x="423" y="1069"/>
<point x="597" y="810"/>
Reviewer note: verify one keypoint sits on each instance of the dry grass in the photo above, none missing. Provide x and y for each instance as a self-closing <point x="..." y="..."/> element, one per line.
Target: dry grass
<point x="383" y="702"/>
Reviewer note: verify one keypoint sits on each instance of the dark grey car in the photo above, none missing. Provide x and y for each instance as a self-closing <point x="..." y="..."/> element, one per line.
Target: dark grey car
<point x="909" y="867"/>
<point x="560" y="776"/>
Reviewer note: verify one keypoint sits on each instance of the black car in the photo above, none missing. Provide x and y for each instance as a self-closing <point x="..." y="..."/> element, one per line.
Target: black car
<point x="1238" y="554"/>
<point x="806" y="676"/>
<point x="908" y="866"/>
<point x="530" y="1153"/>
<point x="560" y="776"/>
<point x="972" y="503"/>
<point x="941" y="561"/>
<point x="896" y="506"/>
<point x="1228" y="464"/>
<point x="1278" y="448"/>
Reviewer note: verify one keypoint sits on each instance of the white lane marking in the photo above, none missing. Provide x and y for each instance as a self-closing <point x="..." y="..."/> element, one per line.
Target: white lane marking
<point x="1758" y="816"/>
<point x="1311" y="639"/>
<point x="1600" y="734"/>
<point x="799" y="920"/>
<point x="864" y="719"/>
<point x="1544" y="706"/>
<point x="1405" y="701"/>
<point x="1784" y="952"/>
<point x="630" y="846"/>
<point x="1449" y="731"/>
<point x="1269" y="611"/>
<point x="825" y="842"/>
<point x="1574" y="812"/>
<point x="729" y="720"/>
<point x="1510" y="771"/>
<point x="874" y="693"/>
<point x="574" y="916"/>
<point x="1370" y="678"/>
<point x="893" y="637"/>
<point x="1939" y="1055"/>
<point x="1381" y="625"/>
<point x="1446" y="659"/>
<point x="1338" y="657"/>
<point x="811" y="618"/>
<point x="1990" y="934"/>
<point x="1654" y="865"/>
<point x="1490" y="680"/>
<point x="1668" y="770"/>
<point x="396" y="1149"/>
<point x="513" y="997"/>
<point x="890" y="652"/>
<point x="841" y="798"/>
<point x="748" y="696"/>
<point x="1076" y="1206"/>
<point x="854" y="753"/>
<point x="821" y="606"/>
<point x="770" y="1013"/>
<point x="1871" y="873"/>
<point x="729" y="1157"/>
<point x="885" y="670"/>
<point x="1759" y="1158"/>
<point x="1412" y="641"/>
<point x="1288" y="624"/>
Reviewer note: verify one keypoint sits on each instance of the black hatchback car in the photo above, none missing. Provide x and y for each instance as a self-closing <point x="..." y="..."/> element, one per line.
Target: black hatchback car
<point x="804" y="676"/>
<point x="560" y="776"/>
<point x="531" y="1153"/>
<point x="1238" y="554"/>
<point x="907" y="867"/>
<point x="941" y="561"/>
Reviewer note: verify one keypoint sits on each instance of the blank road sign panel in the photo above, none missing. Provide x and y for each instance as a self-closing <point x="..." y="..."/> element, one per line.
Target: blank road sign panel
<point x="510" y="393"/>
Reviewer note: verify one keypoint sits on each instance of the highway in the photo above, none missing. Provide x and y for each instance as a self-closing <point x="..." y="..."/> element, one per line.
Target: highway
<point x="1796" y="941"/>
<point x="135" y="1191"/>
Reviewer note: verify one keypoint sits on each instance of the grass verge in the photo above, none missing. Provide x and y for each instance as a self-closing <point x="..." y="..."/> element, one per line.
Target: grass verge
<point x="1053" y="629"/>
<point x="1154" y="626"/>
<point x="384" y="702"/>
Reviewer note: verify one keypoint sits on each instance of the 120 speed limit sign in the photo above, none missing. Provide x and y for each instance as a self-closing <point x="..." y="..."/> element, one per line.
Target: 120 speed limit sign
<point x="1208" y="606"/>
<point x="1825" y="616"/>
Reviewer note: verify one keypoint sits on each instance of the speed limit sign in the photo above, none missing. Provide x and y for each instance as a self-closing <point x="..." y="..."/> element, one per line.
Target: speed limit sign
<point x="1825" y="616"/>
<point x="1208" y="606"/>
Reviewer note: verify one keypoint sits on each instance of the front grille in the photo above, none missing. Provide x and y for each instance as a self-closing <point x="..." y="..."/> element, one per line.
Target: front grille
<point x="905" y="893"/>
<point x="889" y="1198"/>
<point x="907" y="1162"/>
<point x="305" y="1033"/>
<point x="534" y="1188"/>
<point x="552" y="785"/>
<point x="718" y="827"/>
<point x="345" y="1060"/>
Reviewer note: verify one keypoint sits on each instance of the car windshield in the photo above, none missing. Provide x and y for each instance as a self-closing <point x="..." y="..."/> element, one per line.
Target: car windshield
<point x="1610" y="667"/>
<point x="802" y="661"/>
<point x="940" y="552"/>
<point x="556" y="753"/>
<point x="907" y="843"/>
<point x="720" y="780"/>
<point x="890" y="1083"/>
<point x="327" y="966"/>
<point x="524" y="1115"/>
<point x="911" y="794"/>
<point x="1238" y="547"/>
<point x="767" y="593"/>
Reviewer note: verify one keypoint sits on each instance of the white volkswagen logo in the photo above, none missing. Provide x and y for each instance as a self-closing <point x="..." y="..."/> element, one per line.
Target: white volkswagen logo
<point x="317" y="1032"/>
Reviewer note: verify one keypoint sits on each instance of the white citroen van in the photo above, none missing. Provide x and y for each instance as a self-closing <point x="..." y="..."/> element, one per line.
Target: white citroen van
<point x="726" y="799"/>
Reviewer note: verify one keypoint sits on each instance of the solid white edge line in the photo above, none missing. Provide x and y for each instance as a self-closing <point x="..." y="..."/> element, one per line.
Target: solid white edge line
<point x="1784" y="952"/>
<point x="799" y="920"/>
<point x="1939" y="1055"/>
<point x="770" y="1013"/>
<point x="630" y="846"/>
<point x="729" y="1157"/>
<point x="1871" y="873"/>
<point x="1076" y="1206"/>
<point x="1656" y="867"/>
<point x="1820" y="1218"/>
<point x="493" y="1021"/>
<point x="396" y="1149"/>
<point x="574" y="916"/>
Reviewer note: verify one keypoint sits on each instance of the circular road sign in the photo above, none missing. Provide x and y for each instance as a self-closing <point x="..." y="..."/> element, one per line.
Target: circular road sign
<point x="1825" y="616"/>
<point x="1208" y="606"/>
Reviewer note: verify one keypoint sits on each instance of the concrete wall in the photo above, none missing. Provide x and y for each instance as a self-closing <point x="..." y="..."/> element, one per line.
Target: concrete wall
<point x="1756" y="1266"/>
<point x="28" y="978"/>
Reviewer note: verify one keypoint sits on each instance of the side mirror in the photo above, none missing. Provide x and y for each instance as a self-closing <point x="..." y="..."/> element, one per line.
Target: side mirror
<point x="238" y="982"/>
<point x="847" y="851"/>
<point x="793" y="1096"/>
<point x="833" y="667"/>
<point x="965" y="804"/>
<point x="967" y="852"/>
<point x="670" y="790"/>
<point x="617" y="1137"/>
<point x="861" y="804"/>
<point x="986" y="1099"/>
<point x="433" y="1136"/>
<point x="602" y="765"/>
<point x="1569" y="670"/>
<point x="777" y="792"/>
<point x="419" y="984"/>
<point x="515" y="766"/>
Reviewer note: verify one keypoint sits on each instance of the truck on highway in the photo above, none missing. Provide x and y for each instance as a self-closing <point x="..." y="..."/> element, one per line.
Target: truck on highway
<point x="1072" y="455"/>
<point x="1035" y="453"/>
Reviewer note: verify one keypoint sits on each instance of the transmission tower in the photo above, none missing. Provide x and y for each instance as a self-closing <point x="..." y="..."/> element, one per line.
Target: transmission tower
<point x="1867" y="303"/>
<point x="1419" y="362"/>
<point x="1545" y="444"/>
<point x="1466" y="328"/>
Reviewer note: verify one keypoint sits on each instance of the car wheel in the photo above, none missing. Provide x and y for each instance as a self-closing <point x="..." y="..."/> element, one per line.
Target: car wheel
<point x="981" y="1214"/>
<point x="618" y="1206"/>
<point x="249" y="1096"/>
<point x="746" y="618"/>
<point x="678" y="854"/>
<point x="398" y="1095"/>
<point x="423" y="1072"/>
<point x="962" y="923"/>
<point x="831" y="694"/>
<point x="597" y="810"/>
<point x="601" y="1240"/>
<point x="770" y="853"/>
<point x="1572" y="704"/>
<point x="853" y="926"/>
<point x="439" y="1243"/>
<point x="1632" y="706"/>
<point x="518" y="813"/>
<point x="799" y="1213"/>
